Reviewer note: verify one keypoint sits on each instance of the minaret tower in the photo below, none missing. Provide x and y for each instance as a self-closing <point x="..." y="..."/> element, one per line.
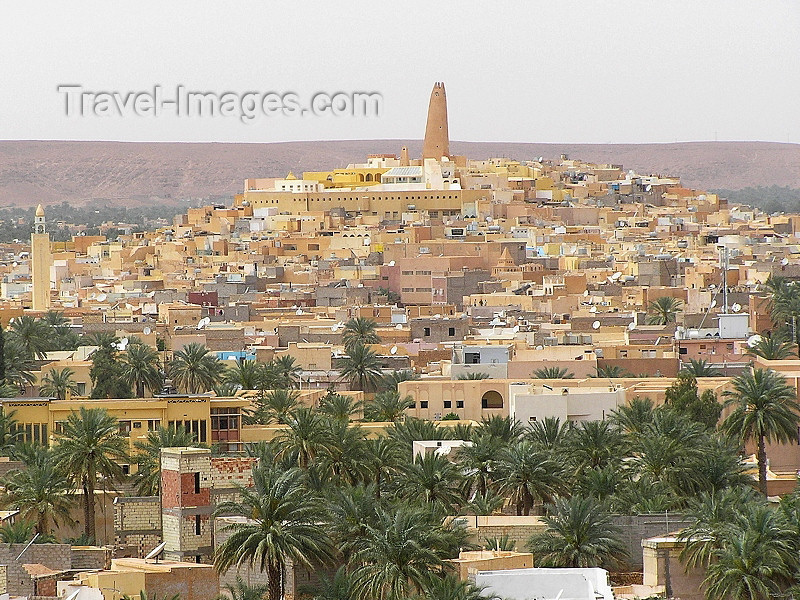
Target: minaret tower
<point x="40" y="262"/>
<point x="437" y="139"/>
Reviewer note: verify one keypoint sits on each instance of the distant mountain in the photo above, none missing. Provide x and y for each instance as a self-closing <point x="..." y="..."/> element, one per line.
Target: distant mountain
<point x="143" y="172"/>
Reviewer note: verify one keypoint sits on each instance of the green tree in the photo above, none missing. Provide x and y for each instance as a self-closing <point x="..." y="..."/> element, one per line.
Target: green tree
<point x="361" y="368"/>
<point x="141" y="369"/>
<point x="383" y="458"/>
<point x="594" y="445"/>
<point x="610" y="372"/>
<point x="700" y="368"/>
<point x="33" y="335"/>
<point x="387" y="406"/>
<point x="148" y="456"/>
<point x="107" y="376"/>
<point x="528" y="473"/>
<point x="57" y="382"/>
<point x="274" y="406"/>
<point x="633" y="418"/>
<point x="241" y="590"/>
<point x="474" y="376"/>
<point x="360" y="331"/>
<point x="549" y="433"/>
<point x="433" y="479"/>
<point x="18" y="365"/>
<point x="391" y="380"/>
<point x="339" y="407"/>
<point x="450" y="587"/>
<point x="764" y="410"/>
<point x="553" y="373"/>
<point x="772" y="347"/>
<point x="663" y="310"/>
<point x="90" y="447"/>
<point x="10" y="432"/>
<point x="305" y="437"/>
<point x="244" y="375"/>
<point x="399" y="555"/>
<point x="281" y="522"/>
<point x="194" y="369"/>
<point x="40" y="491"/>
<point x="683" y="397"/>
<point x="287" y="370"/>
<point x="579" y="533"/>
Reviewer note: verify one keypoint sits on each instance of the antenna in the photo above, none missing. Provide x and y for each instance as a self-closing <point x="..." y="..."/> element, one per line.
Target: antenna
<point x="156" y="551"/>
<point x="73" y="595"/>
<point x="33" y="539"/>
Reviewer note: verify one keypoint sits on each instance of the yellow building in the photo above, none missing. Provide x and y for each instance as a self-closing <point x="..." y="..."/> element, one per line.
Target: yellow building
<point x="212" y="420"/>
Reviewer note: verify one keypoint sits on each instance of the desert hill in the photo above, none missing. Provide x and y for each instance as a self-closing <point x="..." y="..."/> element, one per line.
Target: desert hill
<point x="144" y="172"/>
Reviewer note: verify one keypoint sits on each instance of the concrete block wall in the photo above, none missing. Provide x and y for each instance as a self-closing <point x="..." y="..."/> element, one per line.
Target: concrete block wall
<point x="518" y="529"/>
<point x="636" y="528"/>
<point x="90" y="557"/>
<point x="17" y="581"/>
<point x="137" y="524"/>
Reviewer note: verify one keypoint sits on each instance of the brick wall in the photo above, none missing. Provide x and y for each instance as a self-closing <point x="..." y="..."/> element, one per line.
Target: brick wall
<point x="137" y="524"/>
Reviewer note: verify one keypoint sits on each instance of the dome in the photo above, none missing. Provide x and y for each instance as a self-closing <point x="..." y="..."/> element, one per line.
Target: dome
<point x="39" y="211"/>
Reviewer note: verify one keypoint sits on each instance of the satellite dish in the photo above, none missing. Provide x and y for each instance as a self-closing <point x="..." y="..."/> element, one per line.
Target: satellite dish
<point x="593" y="309"/>
<point x="753" y="340"/>
<point x="585" y="292"/>
<point x="399" y="326"/>
<point x="596" y="325"/>
<point x="631" y="325"/>
<point x="540" y="347"/>
<point x="102" y="297"/>
<point x="736" y="307"/>
<point x="515" y="329"/>
<point x="202" y="323"/>
<point x="393" y="350"/>
<point x="616" y="275"/>
<point x="540" y="159"/>
<point x="147" y="331"/>
<point x="713" y="304"/>
<point x="785" y="261"/>
<point x="335" y="327"/>
<point x="299" y="312"/>
<point x="156" y="551"/>
<point x="391" y="263"/>
<point x="122" y="344"/>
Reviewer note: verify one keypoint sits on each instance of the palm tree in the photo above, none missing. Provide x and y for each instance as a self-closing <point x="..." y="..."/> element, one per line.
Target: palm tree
<point x="340" y="455"/>
<point x="361" y="368"/>
<point x="40" y="491"/>
<point x="287" y="370"/>
<point x="397" y="556"/>
<point x="700" y="368"/>
<point x="272" y="407"/>
<point x="34" y="336"/>
<point x="553" y="373"/>
<point x="663" y="310"/>
<point x="280" y="523"/>
<point x="339" y="587"/>
<point x="579" y="533"/>
<point x="434" y="480"/>
<point x="143" y="595"/>
<point x="10" y="432"/>
<point x="474" y="376"/>
<point x="148" y="456"/>
<point x="528" y="474"/>
<point x="634" y="417"/>
<point x="594" y="444"/>
<point x="610" y="372"/>
<point x="478" y="460"/>
<point x="505" y="429"/>
<point x="383" y="459"/>
<point x="244" y="375"/>
<point x="339" y="407"/>
<point x="391" y="380"/>
<point x="765" y="410"/>
<point x="19" y="532"/>
<point x="451" y="587"/>
<point x="57" y="382"/>
<point x="240" y="590"/>
<point x="140" y="369"/>
<point x="90" y="446"/>
<point x="194" y="369"/>
<point x="772" y="347"/>
<point x="360" y="331"/>
<point x="304" y="438"/>
<point x="387" y="406"/>
<point x="549" y="433"/>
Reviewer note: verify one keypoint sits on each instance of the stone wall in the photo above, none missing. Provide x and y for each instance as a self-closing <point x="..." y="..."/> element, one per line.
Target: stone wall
<point x="636" y="528"/>
<point x="90" y="557"/>
<point x="518" y="529"/>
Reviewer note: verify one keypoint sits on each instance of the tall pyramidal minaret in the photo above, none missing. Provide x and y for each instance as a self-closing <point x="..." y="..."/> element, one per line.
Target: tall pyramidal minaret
<point x="40" y="262"/>
<point x="437" y="139"/>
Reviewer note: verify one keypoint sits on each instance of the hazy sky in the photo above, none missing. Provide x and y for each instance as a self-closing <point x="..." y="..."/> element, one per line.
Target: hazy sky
<point x="557" y="71"/>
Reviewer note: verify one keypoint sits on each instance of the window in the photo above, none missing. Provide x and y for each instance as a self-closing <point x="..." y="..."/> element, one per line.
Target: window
<point x="448" y="403"/>
<point x="459" y="404"/>
<point x="423" y="404"/>
<point x="426" y="331"/>
<point x="153" y="424"/>
<point x="197" y="524"/>
<point x="451" y="331"/>
<point x="197" y="483"/>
